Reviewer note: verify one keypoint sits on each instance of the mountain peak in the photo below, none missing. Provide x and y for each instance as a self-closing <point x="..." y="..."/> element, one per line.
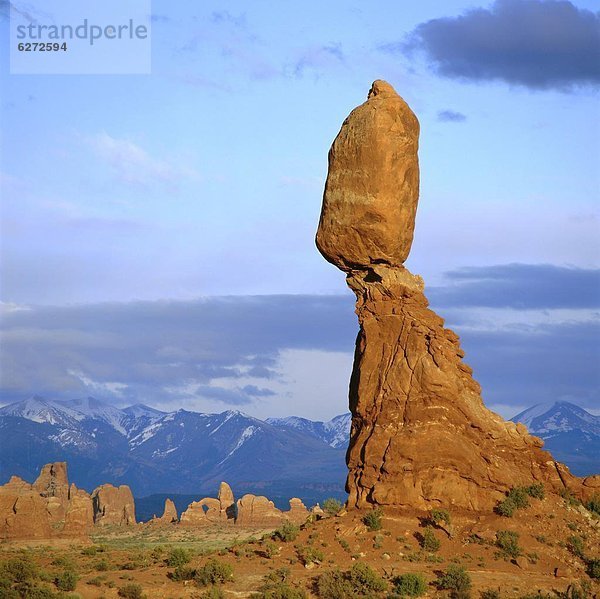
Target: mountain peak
<point x="558" y="417"/>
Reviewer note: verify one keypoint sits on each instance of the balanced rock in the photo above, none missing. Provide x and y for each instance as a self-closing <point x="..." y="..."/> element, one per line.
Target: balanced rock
<point x="421" y="435"/>
<point x="113" y="505"/>
<point x="257" y="511"/>
<point x="372" y="187"/>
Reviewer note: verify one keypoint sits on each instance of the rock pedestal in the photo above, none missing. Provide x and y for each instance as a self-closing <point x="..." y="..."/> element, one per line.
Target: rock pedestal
<point x="421" y="436"/>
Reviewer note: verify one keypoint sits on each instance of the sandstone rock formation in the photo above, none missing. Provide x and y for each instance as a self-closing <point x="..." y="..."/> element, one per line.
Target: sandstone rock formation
<point x="227" y="502"/>
<point x="113" y="505"/>
<point x="45" y="509"/>
<point x="169" y="515"/>
<point x="207" y="511"/>
<point x="298" y="512"/>
<point x="257" y="510"/>
<point x="421" y="435"/>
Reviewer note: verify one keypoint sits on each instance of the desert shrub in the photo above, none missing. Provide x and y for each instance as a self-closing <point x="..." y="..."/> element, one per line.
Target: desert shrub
<point x="361" y="582"/>
<point x="576" y="545"/>
<point x="332" y="506"/>
<point x="508" y="543"/>
<point x="131" y="591"/>
<point x="506" y="508"/>
<point x="19" y="569"/>
<point x="66" y="580"/>
<point x="344" y="544"/>
<point x="536" y="491"/>
<point x="213" y="572"/>
<point x="489" y="594"/>
<point x="213" y="593"/>
<point x="593" y="568"/>
<point x="32" y="590"/>
<point x="287" y="532"/>
<point x="518" y="498"/>
<point x="92" y="550"/>
<point x="428" y="540"/>
<point x="97" y="581"/>
<point x="270" y="549"/>
<point x="183" y="573"/>
<point x="279" y="591"/>
<point x="310" y="555"/>
<point x="593" y="505"/>
<point x="372" y="519"/>
<point x="177" y="557"/>
<point x="455" y="578"/>
<point x="438" y="516"/>
<point x="102" y="565"/>
<point x="569" y="498"/>
<point x="410" y="585"/>
<point x="364" y="578"/>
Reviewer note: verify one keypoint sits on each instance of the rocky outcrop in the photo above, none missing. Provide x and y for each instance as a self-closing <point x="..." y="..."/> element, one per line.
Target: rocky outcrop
<point x="45" y="509"/>
<point x="169" y="515"/>
<point x="421" y="435"/>
<point x="226" y="502"/>
<point x="205" y="512"/>
<point x="298" y="513"/>
<point x="113" y="506"/>
<point x="257" y="510"/>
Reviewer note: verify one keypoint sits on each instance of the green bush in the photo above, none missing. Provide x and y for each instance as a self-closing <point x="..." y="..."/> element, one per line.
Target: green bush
<point x="310" y="555"/>
<point x="270" y="549"/>
<point x="438" y="516"/>
<point x="361" y="582"/>
<point x="102" y="565"/>
<point x="19" y="569"/>
<point x="178" y="557"/>
<point x="575" y="545"/>
<point x="455" y="578"/>
<point x="66" y="581"/>
<point x="213" y="593"/>
<point x="536" y="491"/>
<point x="279" y="591"/>
<point x="287" y="532"/>
<point x="183" y="573"/>
<point x="506" y="508"/>
<point x="593" y="505"/>
<point x="489" y="594"/>
<point x="131" y="591"/>
<point x="593" y="568"/>
<point x="428" y="540"/>
<point x="372" y="519"/>
<point x="508" y="543"/>
<point x="332" y="506"/>
<point x="410" y="585"/>
<point x="213" y="572"/>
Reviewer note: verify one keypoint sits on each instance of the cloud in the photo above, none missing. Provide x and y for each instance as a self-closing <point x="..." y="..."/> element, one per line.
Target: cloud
<point x="539" y="44"/>
<point x="317" y="58"/>
<point x="449" y="116"/>
<point x="133" y="165"/>
<point x="520" y="287"/>
<point x="529" y="331"/>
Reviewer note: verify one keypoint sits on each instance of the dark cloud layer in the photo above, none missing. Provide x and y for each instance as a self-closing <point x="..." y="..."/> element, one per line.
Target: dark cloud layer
<point x="520" y="286"/>
<point x="146" y="351"/>
<point x="540" y="44"/>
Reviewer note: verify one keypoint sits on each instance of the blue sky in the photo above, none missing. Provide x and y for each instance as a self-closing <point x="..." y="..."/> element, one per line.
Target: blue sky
<point x="204" y="179"/>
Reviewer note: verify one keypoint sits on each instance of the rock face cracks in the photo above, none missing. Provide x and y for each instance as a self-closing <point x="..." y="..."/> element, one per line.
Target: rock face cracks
<point x="421" y="435"/>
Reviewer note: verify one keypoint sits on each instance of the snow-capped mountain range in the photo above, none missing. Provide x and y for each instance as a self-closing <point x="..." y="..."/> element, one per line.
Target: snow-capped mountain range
<point x="182" y="451"/>
<point x="569" y="432"/>
<point x="190" y="452"/>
